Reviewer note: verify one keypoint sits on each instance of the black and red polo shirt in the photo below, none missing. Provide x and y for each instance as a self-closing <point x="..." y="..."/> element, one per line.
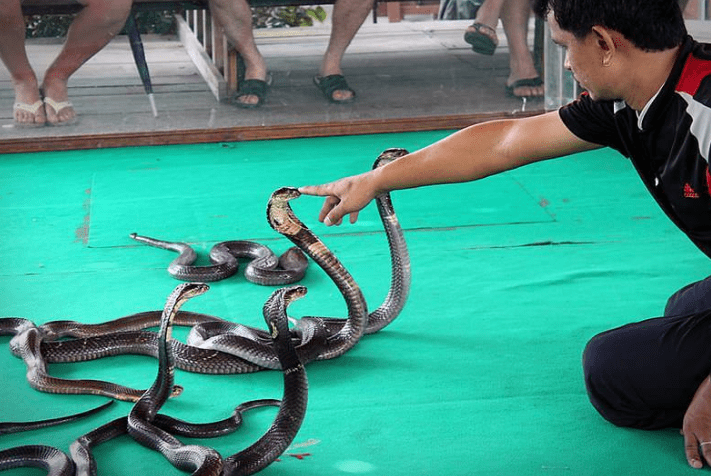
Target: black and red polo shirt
<point x="669" y="142"/>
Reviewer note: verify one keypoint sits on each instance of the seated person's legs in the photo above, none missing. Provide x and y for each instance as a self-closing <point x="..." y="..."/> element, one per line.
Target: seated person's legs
<point x="28" y="109"/>
<point x="348" y="16"/>
<point x="92" y="29"/>
<point x="523" y="80"/>
<point x="482" y="33"/>
<point x="644" y="375"/>
<point x="235" y="18"/>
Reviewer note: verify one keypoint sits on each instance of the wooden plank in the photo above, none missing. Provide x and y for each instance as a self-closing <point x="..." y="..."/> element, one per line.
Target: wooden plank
<point x="249" y="133"/>
<point x="214" y="79"/>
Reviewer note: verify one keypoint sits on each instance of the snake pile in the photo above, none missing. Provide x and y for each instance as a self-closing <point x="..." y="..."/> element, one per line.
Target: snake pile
<point x="214" y="346"/>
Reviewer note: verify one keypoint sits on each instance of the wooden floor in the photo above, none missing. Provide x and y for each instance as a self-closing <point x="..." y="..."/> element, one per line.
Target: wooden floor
<point x="411" y="75"/>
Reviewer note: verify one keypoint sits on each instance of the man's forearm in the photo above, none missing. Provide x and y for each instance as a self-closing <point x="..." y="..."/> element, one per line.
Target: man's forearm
<point x="469" y="154"/>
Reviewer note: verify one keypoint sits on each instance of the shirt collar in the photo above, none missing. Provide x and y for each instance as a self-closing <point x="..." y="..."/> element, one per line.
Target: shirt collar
<point x="648" y="113"/>
<point x="643" y="113"/>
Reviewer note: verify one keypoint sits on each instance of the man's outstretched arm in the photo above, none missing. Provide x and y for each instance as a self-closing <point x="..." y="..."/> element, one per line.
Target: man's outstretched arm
<point x="469" y="154"/>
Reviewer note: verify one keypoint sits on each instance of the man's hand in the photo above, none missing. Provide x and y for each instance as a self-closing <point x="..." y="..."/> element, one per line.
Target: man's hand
<point x="697" y="427"/>
<point x="345" y="196"/>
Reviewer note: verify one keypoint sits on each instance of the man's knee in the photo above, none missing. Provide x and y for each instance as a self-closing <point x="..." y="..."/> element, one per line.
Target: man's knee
<point x="607" y="382"/>
<point x="612" y="383"/>
<point x="600" y="372"/>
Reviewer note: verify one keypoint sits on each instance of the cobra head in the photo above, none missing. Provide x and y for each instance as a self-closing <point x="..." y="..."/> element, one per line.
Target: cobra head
<point x="279" y="214"/>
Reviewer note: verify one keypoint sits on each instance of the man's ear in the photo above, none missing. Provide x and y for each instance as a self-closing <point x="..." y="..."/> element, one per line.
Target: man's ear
<point x="606" y="42"/>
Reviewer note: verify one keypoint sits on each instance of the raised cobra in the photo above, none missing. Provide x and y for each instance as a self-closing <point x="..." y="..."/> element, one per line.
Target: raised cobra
<point x="264" y="268"/>
<point x="291" y="412"/>
<point x="317" y="337"/>
<point x="201" y="460"/>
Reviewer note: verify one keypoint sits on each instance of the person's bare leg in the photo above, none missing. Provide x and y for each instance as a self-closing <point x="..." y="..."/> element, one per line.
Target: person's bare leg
<point x="348" y="16"/>
<point x="14" y="56"/>
<point x="515" y="16"/>
<point x="235" y="18"/>
<point x="92" y="29"/>
<point x="488" y="14"/>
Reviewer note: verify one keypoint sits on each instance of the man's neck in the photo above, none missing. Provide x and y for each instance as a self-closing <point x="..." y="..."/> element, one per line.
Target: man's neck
<point x="649" y="71"/>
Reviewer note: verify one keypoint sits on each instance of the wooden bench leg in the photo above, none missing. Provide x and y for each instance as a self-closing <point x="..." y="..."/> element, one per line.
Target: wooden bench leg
<point x="394" y="12"/>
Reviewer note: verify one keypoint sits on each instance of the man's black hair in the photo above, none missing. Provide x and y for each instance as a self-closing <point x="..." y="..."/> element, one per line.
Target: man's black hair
<point x="652" y="25"/>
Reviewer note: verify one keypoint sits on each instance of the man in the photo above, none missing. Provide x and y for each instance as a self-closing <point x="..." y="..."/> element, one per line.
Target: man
<point x="648" y="95"/>
<point x="93" y="27"/>
<point x="235" y="17"/>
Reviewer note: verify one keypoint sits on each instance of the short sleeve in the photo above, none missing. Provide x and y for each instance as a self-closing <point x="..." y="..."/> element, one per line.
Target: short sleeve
<point x="592" y="121"/>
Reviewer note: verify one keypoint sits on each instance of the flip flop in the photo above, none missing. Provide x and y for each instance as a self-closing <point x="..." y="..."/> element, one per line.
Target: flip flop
<point x="32" y="109"/>
<point x="483" y="39"/>
<point x="332" y="83"/>
<point x="251" y="87"/>
<point x="60" y="106"/>
<point x="528" y="82"/>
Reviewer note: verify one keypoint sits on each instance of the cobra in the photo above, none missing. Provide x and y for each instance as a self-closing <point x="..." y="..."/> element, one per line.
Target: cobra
<point x="320" y="338"/>
<point x="264" y="267"/>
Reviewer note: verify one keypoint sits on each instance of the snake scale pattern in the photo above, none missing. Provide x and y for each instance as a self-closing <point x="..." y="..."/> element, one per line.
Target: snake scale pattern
<point x="214" y="346"/>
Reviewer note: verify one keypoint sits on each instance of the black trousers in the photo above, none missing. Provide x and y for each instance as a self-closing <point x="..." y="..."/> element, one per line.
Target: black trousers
<point x="644" y="375"/>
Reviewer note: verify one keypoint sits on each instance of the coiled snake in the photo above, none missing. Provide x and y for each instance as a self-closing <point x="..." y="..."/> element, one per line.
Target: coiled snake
<point x="264" y="267"/>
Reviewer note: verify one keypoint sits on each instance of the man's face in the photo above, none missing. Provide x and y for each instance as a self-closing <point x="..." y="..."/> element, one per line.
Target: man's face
<point x="584" y="58"/>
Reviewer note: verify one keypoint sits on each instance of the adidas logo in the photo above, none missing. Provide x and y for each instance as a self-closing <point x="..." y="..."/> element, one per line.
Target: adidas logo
<point x="689" y="192"/>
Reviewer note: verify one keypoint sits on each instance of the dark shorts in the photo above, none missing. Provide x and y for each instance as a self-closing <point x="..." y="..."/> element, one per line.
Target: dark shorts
<point x="644" y="375"/>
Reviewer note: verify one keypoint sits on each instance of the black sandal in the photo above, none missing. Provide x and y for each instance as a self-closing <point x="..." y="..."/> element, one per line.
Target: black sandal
<point x="524" y="83"/>
<point x="332" y="83"/>
<point x="483" y="39"/>
<point x="251" y="87"/>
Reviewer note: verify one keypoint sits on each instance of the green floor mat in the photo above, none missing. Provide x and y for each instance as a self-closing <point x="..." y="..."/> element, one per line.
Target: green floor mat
<point x="481" y="373"/>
